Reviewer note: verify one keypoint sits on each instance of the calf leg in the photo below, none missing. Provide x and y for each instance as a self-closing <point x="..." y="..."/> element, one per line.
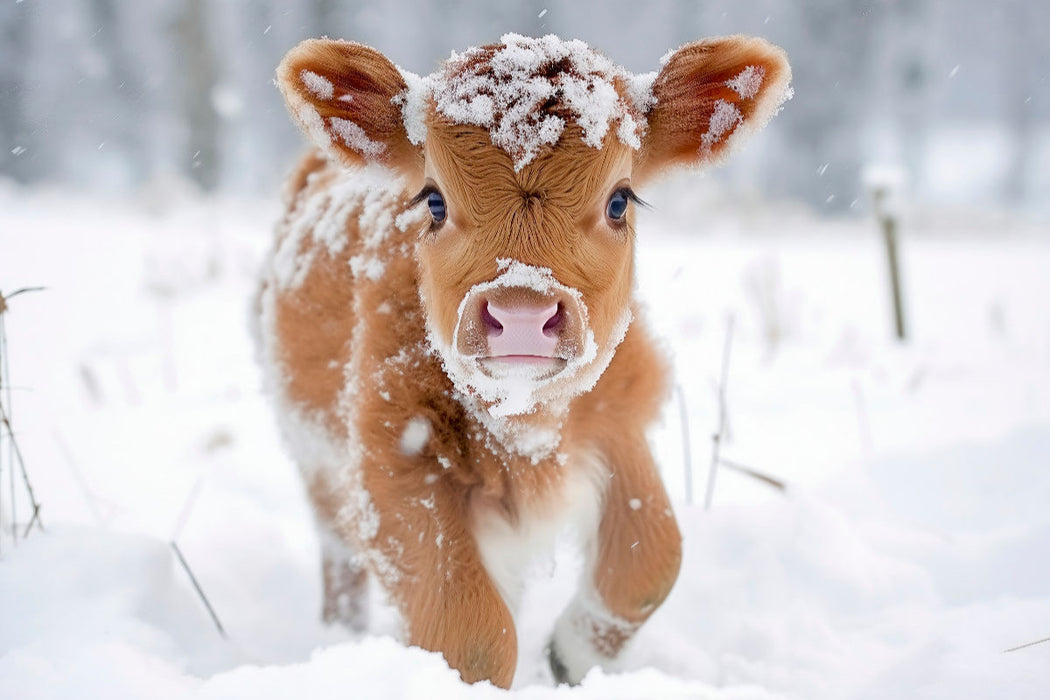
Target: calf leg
<point x="420" y="548"/>
<point x="345" y="583"/>
<point x="632" y="566"/>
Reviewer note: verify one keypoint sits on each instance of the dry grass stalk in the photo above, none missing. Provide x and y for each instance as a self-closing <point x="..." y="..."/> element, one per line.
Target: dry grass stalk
<point x="716" y="439"/>
<point x="754" y="474"/>
<point x="687" y="452"/>
<point x="14" y="453"/>
<point x="197" y="587"/>
<point x="1025" y="646"/>
<point x="180" y="523"/>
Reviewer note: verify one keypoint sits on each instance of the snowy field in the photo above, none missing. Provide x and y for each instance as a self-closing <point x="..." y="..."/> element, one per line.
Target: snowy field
<point x="909" y="552"/>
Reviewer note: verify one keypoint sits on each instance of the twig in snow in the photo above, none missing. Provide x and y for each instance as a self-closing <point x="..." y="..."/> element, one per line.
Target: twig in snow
<point x="167" y="336"/>
<point x="863" y="424"/>
<point x="687" y="453"/>
<point x="131" y="390"/>
<point x="716" y="439"/>
<point x="197" y="587"/>
<point x="1025" y="646"/>
<point x="14" y="453"/>
<point x="187" y="506"/>
<point x="5" y="297"/>
<point x="35" y="517"/>
<point x="753" y="473"/>
<point x="90" y="498"/>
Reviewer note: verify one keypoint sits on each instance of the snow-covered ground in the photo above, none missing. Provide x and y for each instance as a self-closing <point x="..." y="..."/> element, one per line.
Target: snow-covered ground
<point x="910" y="550"/>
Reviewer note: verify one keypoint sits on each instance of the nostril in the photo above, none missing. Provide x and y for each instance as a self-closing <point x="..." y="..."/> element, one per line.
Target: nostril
<point x="492" y="326"/>
<point x="554" y="323"/>
<point x="514" y="328"/>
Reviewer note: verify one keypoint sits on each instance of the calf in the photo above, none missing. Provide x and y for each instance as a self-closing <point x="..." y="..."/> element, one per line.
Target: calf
<point x="448" y="325"/>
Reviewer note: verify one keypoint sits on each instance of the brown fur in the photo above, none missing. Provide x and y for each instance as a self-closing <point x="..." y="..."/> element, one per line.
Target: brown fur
<point x="351" y="357"/>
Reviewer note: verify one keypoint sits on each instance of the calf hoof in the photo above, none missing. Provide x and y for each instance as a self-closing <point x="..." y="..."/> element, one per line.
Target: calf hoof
<point x="558" y="668"/>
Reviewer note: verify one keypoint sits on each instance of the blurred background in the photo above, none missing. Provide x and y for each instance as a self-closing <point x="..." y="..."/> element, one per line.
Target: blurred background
<point x="118" y="96"/>
<point x="886" y="367"/>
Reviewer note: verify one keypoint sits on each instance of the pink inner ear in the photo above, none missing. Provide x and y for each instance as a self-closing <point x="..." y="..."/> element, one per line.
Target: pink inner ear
<point x="710" y="96"/>
<point x="341" y="95"/>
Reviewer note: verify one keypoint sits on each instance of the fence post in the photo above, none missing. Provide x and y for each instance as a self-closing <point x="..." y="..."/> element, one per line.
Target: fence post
<point x="883" y="185"/>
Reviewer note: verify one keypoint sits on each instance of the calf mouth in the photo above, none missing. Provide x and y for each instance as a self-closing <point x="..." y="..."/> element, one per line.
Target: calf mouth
<point x="534" y="367"/>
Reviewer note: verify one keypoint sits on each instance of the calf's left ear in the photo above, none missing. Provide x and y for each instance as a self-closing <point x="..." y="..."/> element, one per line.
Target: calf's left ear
<point x="709" y="96"/>
<point x="347" y="98"/>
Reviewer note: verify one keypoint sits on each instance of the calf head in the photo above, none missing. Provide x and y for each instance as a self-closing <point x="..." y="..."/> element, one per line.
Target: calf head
<point x="527" y="154"/>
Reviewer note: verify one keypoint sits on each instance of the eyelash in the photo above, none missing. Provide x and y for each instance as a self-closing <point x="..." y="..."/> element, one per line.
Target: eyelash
<point x="423" y="196"/>
<point x="627" y="192"/>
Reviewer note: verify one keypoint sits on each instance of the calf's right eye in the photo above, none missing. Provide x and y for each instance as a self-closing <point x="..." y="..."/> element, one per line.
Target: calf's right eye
<point x="436" y="204"/>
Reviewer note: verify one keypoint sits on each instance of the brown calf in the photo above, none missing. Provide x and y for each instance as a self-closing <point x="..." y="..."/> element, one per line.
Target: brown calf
<point x="448" y="325"/>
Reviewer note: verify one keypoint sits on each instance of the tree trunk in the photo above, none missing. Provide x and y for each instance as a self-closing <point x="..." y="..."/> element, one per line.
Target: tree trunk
<point x="17" y="155"/>
<point x="201" y="149"/>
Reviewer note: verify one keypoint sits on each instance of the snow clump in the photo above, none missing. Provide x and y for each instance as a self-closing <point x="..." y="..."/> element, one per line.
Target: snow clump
<point x="318" y="85"/>
<point x="748" y="82"/>
<point x="523" y="91"/>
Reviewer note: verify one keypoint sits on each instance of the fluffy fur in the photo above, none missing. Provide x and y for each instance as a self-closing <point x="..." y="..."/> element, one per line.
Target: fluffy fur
<point x="439" y="498"/>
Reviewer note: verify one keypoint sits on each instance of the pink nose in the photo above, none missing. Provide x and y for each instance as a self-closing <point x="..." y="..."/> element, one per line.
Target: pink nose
<point x="522" y="330"/>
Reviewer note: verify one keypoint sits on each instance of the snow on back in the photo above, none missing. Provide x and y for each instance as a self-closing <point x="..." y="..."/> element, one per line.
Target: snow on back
<point x="415" y="436"/>
<point x="524" y="91"/>
<point x="368" y="195"/>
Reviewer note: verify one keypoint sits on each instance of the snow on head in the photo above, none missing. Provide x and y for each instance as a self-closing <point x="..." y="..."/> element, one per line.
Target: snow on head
<point x="526" y="90"/>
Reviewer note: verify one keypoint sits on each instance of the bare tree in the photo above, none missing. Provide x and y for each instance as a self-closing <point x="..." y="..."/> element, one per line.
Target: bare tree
<point x="821" y="123"/>
<point x="325" y="18"/>
<point x="16" y="157"/>
<point x="124" y="129"/>
<point x="912" y="82"/>
<point x="1021" y="67"/>
<point x="199" y="69"/>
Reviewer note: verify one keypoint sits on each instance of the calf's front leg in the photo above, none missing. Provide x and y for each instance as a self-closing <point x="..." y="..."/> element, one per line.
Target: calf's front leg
<point x="631" y="568"/>
<point x="419" y="546"/>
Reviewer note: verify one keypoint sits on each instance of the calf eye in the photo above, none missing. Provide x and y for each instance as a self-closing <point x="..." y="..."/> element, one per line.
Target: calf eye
<point x="436" y="203"/>
<point x="616" y="209"/>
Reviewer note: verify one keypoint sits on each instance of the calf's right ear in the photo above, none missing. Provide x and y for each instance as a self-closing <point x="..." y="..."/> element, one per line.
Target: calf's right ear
<point x="346" y="97"/>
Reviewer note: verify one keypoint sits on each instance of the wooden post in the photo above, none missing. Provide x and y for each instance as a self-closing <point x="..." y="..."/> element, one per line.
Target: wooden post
<point x="882" y="193"/>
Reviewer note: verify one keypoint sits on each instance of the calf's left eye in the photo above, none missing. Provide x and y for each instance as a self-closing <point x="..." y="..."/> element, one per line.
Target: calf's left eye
<point x="616" y="209"/>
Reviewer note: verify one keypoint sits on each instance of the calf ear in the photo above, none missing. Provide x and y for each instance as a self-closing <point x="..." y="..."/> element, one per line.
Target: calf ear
<point x="346" y="97"/>
<point x="708" y="98"/>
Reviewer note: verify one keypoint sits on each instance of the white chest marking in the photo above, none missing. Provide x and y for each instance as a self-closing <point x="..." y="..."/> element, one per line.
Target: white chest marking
<point x="507" y="549"/>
